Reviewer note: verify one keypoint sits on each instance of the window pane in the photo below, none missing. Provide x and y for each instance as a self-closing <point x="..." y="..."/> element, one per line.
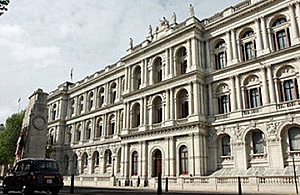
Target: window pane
<point x="258" y="143"/>
<point x="294" y="136"/>
<point x="226" y="150"/>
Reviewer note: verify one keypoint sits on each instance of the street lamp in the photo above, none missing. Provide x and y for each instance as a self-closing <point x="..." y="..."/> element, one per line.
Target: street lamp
<point x="295" y="175"/>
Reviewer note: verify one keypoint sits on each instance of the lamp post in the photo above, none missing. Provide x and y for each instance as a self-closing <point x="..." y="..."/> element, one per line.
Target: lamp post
<point x="295" y="175"/>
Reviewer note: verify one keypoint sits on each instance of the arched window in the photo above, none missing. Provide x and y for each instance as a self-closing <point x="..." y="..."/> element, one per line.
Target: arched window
<point x="248" y="45"/>
<point x="88" y="130"/>
<point x="184" y="163"/>
<point x="90" y="101"/>
<point x="157" y="163"/>
<point x="96" y="159"/>
<point x="223" y="97"/>
<point x="287" y="84"/>
<point x="136" y="115"/>
<point x="78" y="133"/>
<point x="157" y="110"/>
<point x="294" y="138"/>
<point x="281" y="34"/>
<point x="52" y="137"/>
<point x="101" y="97"/>
<point x="111" y="126"/>
<point x="72" y="109"/>
<point x="53" y="112"/>
<point x="258" y="142"/>
<point x="183" y="104"/>
<point x="113" y="93"/>
<point x="157" y="70"/>
<point x="137" y="78"/>
<point x="108" y="157"/>
<point x="134" y="160"/>
<point x="84" y="160"/>
<point x="253" y="98"/>
<point x="99" y="127"/>
<point x="226" y="149"/>
<point x="181" y="61"/>
<point x="80" y="104"/>
<point x="220" y="55"/>
<point x="121" y="120"/>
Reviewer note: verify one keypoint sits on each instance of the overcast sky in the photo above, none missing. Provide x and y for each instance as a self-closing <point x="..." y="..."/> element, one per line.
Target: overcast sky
<point x="42" y="40"/>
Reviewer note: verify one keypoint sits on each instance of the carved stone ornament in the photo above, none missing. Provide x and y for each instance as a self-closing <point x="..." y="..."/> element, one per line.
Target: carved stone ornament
<point x="237" y="132"/>
<point x="39" y="122"/>
<point x="272" y="127"/>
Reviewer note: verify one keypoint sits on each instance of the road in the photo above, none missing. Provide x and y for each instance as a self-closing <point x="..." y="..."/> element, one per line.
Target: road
<point x="129" y="191"/>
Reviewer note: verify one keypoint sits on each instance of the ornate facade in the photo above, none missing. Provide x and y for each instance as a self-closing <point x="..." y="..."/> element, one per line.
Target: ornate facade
<point x="218" y="96"/>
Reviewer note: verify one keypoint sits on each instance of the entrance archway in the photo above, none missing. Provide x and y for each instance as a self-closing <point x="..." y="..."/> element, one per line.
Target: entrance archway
<point x="157" y="163"/>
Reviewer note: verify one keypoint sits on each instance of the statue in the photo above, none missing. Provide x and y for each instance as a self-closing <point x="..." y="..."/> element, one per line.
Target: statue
<point x="150" y="30"/>
<point x="192" y="11"/>
<point x="164" y="22"/>
<point x="130" y="43"/>
<point x="174" y="17"/>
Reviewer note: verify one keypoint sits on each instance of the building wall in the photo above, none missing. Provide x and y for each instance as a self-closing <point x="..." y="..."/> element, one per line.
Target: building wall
<point x="217" y="96"/>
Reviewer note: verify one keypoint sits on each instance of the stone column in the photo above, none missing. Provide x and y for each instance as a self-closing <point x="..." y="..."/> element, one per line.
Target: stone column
<point x="265" y="39"/>
<point x="171" y="63"/>
<point x="167" y="60"/>
<point x="172" y="105"/>
<point x="197" y="158"/>
<point x="271" y="84"/>
<point x="229" y="46"/>
<point x="259" y="38"/>
<point x="196" y="97"/>
<point x="233" y="94"/>
<point x="146" y="82"/>
<point x="145" y="111"/>
<point x="238" y="92"/>
<point x="191" y="110"/>
<point x="144" y="159"/>
<point x="126" y="161"/>
<point x="208" y="56"/>
<point x="127" y="116"/>
<point x="150" y="112"/>
<point x="172" y="157"/>
<point x="265" y="97"/>
<point x="203" y="99"/>
<point x="234" y="48"/>
<point x="295" y="34"/>
<point x="167" y="111"/>
<point x="192" y="155"/>
<point x="210" y="99"/>
<point x="126" y="80"/>
<point x="298" y="14"/>
<point x="194" y="54"/>
<point x="140" y="158"/>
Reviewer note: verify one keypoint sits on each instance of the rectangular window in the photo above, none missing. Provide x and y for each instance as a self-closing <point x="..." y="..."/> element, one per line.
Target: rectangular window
<point x="223" y="104"/>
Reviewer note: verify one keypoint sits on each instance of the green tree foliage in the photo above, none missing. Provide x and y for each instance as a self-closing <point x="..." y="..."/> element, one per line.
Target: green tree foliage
<point x="3" y="6"/>
<point x="9" y="137"/>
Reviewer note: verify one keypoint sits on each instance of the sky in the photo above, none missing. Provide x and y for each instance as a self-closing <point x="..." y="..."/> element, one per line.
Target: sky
<point x="42" y="40"/>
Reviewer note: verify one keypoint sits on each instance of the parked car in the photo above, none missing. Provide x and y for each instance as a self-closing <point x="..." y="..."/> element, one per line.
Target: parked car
<point x="29" y="175"/>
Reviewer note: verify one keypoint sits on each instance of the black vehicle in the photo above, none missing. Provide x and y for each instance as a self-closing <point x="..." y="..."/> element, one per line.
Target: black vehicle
<point x="29" y="175"/>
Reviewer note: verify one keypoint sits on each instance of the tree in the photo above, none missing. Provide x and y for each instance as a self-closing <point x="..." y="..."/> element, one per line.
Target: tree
<point x="3" y="6"/>
<point x="9" y="137"/>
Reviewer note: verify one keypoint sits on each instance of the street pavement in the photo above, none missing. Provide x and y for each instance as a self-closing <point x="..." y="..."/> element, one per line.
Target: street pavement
<point x="132" y="191"/>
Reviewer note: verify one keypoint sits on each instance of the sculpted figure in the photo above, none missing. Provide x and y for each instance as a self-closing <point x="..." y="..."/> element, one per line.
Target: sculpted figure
<point x="130" y="43"/>
<point x="174" y="17"/>
<point x="192" y="11"/>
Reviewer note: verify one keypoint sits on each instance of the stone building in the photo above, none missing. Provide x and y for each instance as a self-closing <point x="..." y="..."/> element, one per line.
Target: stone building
<point x="218" y="96"/>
